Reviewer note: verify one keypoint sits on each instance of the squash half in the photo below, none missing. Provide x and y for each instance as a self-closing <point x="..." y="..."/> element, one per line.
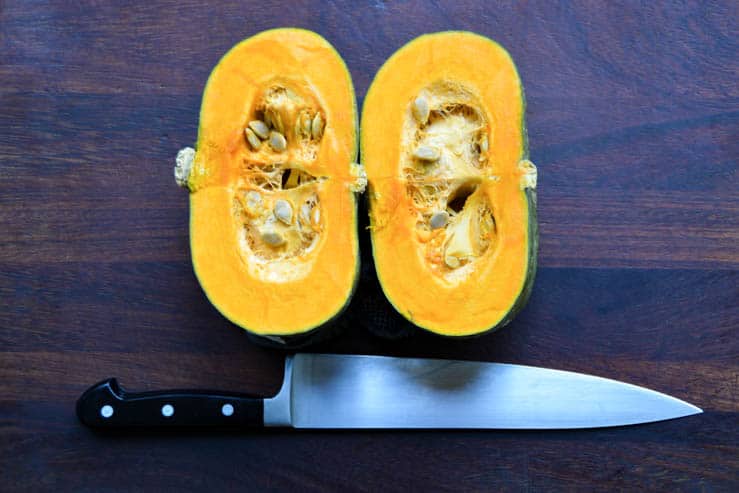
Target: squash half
<point x="451" y="191"/>
<point x="272" y="186"/>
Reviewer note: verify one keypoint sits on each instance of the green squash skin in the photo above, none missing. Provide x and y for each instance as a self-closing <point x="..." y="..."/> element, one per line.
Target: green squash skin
<point x="331" y="326"/>
<point x="532" y="230"/>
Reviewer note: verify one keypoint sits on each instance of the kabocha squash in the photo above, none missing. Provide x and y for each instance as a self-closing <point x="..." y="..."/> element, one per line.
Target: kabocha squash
<point x="451" y="191"/>
<point x="272" y="183"/>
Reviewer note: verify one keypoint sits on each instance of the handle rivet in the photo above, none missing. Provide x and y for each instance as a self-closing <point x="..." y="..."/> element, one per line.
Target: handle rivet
<point x="227" y="409"/>
<point x="106" y="411"/>
<point x="167" y="410"/>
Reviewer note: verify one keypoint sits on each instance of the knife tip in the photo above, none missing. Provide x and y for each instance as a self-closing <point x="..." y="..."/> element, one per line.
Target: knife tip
<point x="689" y="409"/>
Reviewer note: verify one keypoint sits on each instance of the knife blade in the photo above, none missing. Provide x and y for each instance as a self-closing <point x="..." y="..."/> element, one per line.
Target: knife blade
<point x="352" y="391"/>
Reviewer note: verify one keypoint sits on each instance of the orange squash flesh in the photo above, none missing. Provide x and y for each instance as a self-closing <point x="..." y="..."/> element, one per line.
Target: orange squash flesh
<point x="472" y="84"/>
<point x="290" y="289"/>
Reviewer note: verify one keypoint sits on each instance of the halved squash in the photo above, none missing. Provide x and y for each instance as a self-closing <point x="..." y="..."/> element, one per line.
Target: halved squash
<point x="451" y="191"/>
<point x="272" y="186"/>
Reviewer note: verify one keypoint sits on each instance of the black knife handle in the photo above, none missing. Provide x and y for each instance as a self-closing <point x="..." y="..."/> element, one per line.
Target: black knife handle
<point x="107" y="405"/>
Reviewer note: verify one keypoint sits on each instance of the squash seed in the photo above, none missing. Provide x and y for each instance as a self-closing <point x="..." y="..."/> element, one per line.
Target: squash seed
<point x="260" y="128"/>
<point x="427" y="153"/>
<point x="484" y="146"/>
<point x="306" y="123"/>
<point x="284" y="211"/>
<point x="275" y="119"/>
<point x="305" y="213"/>
<point x="277" y="141"/>
<point x="272" y="238"/>
<point x="253" y="201"/>
<point x="300" y="133"/>
<point x="316" y="127"/>
<point x="439" y="219"/>
<point x="420" y="110"/>
<point x="452" y="262"/>
<point x="252" y="138"/>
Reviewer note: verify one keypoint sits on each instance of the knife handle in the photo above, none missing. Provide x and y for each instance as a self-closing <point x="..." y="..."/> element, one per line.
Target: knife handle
<point x="107" y="405"/>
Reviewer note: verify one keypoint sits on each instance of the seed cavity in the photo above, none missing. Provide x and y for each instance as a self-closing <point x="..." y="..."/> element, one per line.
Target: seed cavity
<point x="279" y="206"/>
<point x="420" y="110"/>
<point x="427" y="153"/>
<point x="277" y="141"/>
<point x="252" y="139"/>
<point x="260" y="128"/>
<point x="439" y="219"/>
<point x="284" y="211"/>
<point x="316" y="128"/>
<point x="446" y="153"/>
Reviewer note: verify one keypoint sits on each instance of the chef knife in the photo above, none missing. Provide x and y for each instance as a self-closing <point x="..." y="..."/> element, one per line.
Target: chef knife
<point x="351" y="391"/>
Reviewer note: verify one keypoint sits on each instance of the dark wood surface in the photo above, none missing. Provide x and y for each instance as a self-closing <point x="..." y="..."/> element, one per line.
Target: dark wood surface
<point x="633" y="117"/>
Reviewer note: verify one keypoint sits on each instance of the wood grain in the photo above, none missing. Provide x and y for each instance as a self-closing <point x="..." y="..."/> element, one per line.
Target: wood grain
<point x="633" y="117"/>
